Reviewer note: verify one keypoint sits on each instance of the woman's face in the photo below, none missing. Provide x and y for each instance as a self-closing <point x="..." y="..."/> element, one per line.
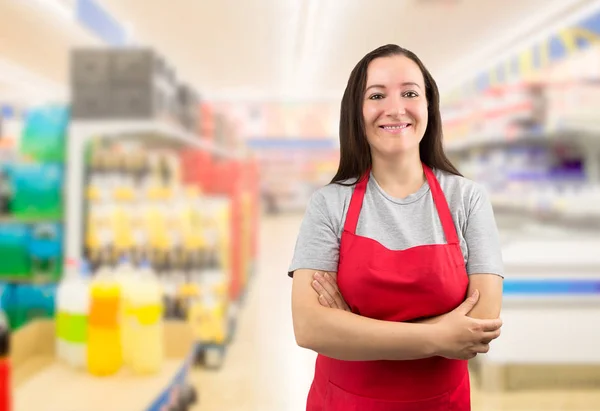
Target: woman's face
<point x="394" y="106"/>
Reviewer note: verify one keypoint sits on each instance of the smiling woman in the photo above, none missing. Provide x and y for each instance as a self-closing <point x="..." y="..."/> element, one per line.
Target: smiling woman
<point x="410" y="249"/>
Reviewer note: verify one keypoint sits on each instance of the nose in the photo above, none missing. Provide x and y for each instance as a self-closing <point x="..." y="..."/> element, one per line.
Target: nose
<point x="395" y="106"/>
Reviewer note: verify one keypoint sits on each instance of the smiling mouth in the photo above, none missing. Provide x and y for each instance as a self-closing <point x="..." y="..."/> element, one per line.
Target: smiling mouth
<point x="396" y="127"/>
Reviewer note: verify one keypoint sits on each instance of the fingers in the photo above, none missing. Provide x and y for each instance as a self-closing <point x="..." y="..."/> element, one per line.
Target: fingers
<point x="328" y="290"/>
<point x="468" y="304"/>
<point x="325" y="302"/>
<point x="470" y="356"/>
<point x="334" y="291"/>
<point x="490" y="335"/>
<point x="490" y="325"/>
<point x="324" y="298"/>
<point x="331" y="287"/>
<point x="482" y="348"/>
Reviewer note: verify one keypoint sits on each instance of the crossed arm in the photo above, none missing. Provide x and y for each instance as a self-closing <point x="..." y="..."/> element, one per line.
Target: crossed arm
<point x="341" y="334"/>
<point x="488" y="306"/>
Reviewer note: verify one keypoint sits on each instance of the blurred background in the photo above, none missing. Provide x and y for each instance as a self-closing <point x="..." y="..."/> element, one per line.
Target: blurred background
<point x="156" y="159"/>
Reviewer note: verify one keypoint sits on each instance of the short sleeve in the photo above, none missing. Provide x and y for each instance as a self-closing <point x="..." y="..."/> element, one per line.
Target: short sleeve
<point x="482" y="237"/>
<point x="317" y="246"/>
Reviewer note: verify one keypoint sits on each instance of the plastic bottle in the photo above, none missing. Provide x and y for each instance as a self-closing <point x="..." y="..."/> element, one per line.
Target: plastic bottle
<point x="5" y="368"/>
<point x="76" y="327"/>
<point x="144" y="313"/>
<point x="104" y="355"/>
<point x="72" y="315"/>
<point x="128" y="280"/>
<point x="213" y="301"/>
<point x="62" y="313"/>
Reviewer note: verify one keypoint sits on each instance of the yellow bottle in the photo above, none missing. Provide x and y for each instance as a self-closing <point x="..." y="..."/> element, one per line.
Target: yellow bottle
<point x="207" y="318"/>
<point x="104" y="355"/>
<point x="127" y="279"/>
<point x="143" y="320"/>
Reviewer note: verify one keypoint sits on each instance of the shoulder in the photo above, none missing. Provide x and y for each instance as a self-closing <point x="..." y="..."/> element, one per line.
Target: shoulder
<point x="334" y="194"/>
<point x="459" y="188"/>
<point x="331" y="203"/>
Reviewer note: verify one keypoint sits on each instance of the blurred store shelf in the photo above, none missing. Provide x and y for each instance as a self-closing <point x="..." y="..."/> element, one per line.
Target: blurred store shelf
<point x="28" y="220"/>
<point x="569" y="133"/>
<point x="576" y="212"/>
<point x="150" y="132"/>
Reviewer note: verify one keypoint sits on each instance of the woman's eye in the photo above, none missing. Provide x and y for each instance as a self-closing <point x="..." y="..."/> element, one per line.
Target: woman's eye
<point x="376" y="96"/>
<point x="411" y="94"/>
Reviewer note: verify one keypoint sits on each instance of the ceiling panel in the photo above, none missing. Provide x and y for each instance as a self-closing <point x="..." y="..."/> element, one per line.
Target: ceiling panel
<point x="307" y="48"/>
<point x="288" y="48"/>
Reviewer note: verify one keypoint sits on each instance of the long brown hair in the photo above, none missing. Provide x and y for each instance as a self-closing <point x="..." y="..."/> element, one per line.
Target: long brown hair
<point x="355" y="153"/>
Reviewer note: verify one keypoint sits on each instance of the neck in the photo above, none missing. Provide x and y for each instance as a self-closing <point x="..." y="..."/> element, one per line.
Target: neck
<point x="399" y="177"/>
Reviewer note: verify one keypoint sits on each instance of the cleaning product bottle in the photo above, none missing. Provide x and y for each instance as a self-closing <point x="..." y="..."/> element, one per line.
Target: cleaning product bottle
<point x="104" y="355"/>
<point x="75" y="332"/>
<point x="62" y="309"/>
<point x="62" y="312"/>
<point x="144" y="319"/>
<point x="5" y="368"/>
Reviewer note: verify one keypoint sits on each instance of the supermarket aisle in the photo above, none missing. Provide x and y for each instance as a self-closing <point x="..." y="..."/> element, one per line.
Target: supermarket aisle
<point x="266" y="371"/>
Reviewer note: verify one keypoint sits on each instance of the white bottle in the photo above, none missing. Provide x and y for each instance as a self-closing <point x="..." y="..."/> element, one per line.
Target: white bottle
<point x="144" y="323"/>
<point x="73" y="303"/>
<point x="62" y="312"/>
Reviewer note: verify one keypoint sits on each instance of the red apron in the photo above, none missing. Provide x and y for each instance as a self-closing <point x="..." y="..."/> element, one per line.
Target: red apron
<point x="405" y="285"/>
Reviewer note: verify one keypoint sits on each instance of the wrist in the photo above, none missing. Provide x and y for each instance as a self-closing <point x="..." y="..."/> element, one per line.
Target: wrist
<point x="430" y="341"/>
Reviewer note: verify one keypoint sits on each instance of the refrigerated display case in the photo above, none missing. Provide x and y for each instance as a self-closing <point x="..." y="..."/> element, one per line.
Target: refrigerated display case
<point x="527" y="132"/>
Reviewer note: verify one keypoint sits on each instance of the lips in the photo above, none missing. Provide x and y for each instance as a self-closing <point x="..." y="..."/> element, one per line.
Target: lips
<point x="395" y="127"/>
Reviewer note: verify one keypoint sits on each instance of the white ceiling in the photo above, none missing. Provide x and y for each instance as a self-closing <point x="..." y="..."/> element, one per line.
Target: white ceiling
<point x="307" y="48"/>
<point x="301" y="49"/>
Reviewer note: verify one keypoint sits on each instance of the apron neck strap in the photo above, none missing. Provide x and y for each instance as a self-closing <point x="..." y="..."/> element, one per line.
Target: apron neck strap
<point x="356" y="203"/>
<point x="439" y="199"/>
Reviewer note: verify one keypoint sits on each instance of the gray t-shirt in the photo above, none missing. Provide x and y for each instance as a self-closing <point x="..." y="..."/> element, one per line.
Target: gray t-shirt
<point x="399" y="224"/>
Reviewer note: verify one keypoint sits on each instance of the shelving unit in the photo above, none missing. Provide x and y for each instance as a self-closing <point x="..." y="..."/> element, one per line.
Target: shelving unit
<point x="150" y="132"/>
<point x="552" y="278"/>
<point x="4" y="220"/>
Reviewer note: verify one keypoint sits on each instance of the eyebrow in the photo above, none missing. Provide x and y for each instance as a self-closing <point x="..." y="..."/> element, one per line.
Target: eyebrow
<point x="407" y="83"/>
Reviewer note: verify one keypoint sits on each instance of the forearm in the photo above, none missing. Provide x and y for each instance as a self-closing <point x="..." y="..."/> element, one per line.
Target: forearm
<point x="346" y="336"/>
<point x="488" y="306"/>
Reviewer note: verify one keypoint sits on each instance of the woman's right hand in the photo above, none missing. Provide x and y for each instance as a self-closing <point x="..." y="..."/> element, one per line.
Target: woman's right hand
<point x="462" y="337"/>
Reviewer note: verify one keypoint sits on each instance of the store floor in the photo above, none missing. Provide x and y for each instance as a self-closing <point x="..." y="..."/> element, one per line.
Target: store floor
<point x="265" y="371"/>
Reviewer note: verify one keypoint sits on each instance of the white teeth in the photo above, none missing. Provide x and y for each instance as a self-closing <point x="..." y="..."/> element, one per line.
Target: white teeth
<point x="395" y="127"/>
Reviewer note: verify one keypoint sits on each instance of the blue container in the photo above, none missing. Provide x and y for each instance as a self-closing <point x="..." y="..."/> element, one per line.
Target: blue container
<point x="14" y="250"/>
<point x="33" y="302"/>
<point x="37" y="191"/>
<point x="45" y="133"/>
<point x="45" y="250"/>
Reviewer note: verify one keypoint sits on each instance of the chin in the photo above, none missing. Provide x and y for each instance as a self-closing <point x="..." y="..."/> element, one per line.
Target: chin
<point x="397" y="150"/>
<point x="396" y="146"/>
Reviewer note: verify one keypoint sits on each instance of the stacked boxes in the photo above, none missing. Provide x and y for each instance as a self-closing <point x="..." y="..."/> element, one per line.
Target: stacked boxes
<point x="91" y="84"/>
<point x="129" y="84"/>
<point x="144" y="85"/>
<point x="188" y="101"/>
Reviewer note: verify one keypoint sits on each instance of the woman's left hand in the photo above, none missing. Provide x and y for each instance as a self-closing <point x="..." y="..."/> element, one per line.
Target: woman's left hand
<point x="329" y="294"/>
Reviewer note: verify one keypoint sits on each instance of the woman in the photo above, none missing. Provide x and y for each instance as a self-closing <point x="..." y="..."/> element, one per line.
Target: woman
<point x="412" y="246"/>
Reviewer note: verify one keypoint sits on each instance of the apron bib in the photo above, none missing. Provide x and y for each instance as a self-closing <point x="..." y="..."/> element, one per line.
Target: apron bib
<point x="404" y="285"/>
